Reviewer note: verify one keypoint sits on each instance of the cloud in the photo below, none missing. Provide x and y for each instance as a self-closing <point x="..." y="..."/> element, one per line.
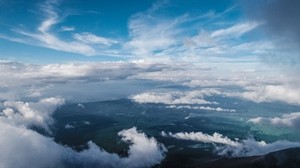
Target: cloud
<point x="83" y="43"/>
<point x="235" y="30"/>
<point x="32" y="113"/>
<point x="286" y="120"/>
<point x="281" y="25"/>
<point x="28" y="81"/>
<point x="66" y="28"/>
<point x="174" y="97"/>
<point x="270" y="93"/>
<point x="15" y="142"/>
<point x="219" y="109"/>
<point x="150" y="33"/>
<point x="69" y="126"/>
<point x="89" y="38"/>
<point x="199" y="136"/>
<point x="234" y="148"/>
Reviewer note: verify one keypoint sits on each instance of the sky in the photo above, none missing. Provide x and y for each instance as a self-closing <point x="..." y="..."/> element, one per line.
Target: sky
<point x="64" y="31"/>
<point x="182" y="54"/>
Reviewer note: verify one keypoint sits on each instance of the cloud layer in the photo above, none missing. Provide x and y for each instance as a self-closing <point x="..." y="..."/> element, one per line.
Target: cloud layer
<point x="234" y="148"/>
<point x="286" y="120"/>
<point x="16" y="141"/>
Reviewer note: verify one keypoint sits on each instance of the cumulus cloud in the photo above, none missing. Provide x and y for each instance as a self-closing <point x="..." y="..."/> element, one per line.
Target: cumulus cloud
<point x="286" y="120"/>
<point x="234" y="148"/>
<point x="271" y="93"/>
<point x="16" y="141"/>
<point x="175" y="97"/>
<point x="32" y="113"/>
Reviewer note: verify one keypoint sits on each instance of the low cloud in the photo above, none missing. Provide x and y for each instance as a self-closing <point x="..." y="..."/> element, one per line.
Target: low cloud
<point x="16" y="141"/>
<point x="175" y="97"/>
<point x="32" y="113"/>
<point x="286" y="120"/>
<point x="234" y="148"/>
<point x="270" y="93"/>
<point x="207" y="108"/>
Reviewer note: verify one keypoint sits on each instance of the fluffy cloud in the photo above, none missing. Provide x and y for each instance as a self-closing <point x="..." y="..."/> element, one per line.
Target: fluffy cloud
<point x="175" y="97"/>
<point x="15" y="142"/>
<point x="234" y="148"/>
<point x="199" y="136"/>
<point x="32" y="113"/>
<point x="271" y="93"/>
<point x="287" y="120"/>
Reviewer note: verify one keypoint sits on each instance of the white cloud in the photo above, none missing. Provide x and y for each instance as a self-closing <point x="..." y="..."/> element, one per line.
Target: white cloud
<point x="19" y="81"/>
<point x="269" y="93"/>
<point x="286" y="120"/>
<point x="15" y="142"/>
<point x="32" y="113"/>
<point x="89" y="38"/>
<point x="149" y="33"/>
<point x="83" y="43"/>
<point x="236" y="30"/>
<point x="69" y="126"/>
<point x="66" y="28"/>
<point x="219" y="109"/>
<point x="199" y="136"/>
<point x="174" y="97"/>
<point x="234" y="148"/>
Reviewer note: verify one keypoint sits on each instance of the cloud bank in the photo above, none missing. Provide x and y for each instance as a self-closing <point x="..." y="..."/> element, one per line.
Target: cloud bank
<point x="286" y="120"/>
<point x="16" y="141"/>
<point x="17" y="138"/>
<point x="234" y="148"/>
<point x="175" y="97"/>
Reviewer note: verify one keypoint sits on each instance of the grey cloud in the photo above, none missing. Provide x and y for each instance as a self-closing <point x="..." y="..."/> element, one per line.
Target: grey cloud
<point x="281" y="23"/>
<point x="286" y="120"/>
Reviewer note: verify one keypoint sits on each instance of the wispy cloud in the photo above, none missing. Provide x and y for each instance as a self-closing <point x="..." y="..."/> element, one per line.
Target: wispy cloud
<point x="66" y="28"/>
<point x="82" y="43"/>
<point x="235" y="30"/>
<point x="89" y="38"/>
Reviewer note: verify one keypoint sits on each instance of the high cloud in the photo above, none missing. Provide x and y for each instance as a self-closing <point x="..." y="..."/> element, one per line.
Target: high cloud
<point x="286" y="120"/>
<point x="234" y="148"/>
<point x="82" y="43"/>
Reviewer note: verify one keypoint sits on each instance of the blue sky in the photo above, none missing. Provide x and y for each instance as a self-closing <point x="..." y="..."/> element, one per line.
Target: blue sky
<point x="66" y="31"/>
